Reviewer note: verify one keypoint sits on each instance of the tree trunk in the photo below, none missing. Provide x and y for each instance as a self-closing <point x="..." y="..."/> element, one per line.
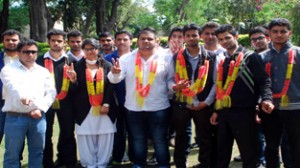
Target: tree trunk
<point x="88" y="21"/>
<point x="105" y="22"/>
<point x="181" y="11"/>
<point x="38" y="20"/>
<point x="4" y="16"/>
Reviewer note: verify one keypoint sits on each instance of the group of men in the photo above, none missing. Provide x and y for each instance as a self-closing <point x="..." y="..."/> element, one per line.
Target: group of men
<point x="221" y="86"/>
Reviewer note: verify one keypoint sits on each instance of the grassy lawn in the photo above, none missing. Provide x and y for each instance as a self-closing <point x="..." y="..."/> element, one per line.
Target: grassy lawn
<point x="192" y="157"/>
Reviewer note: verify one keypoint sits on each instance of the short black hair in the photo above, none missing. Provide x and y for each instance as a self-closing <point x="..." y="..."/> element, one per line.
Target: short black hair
<point x="147" y="30"/>
<point x="56" y="32"/>
<point x="27" y="42"/>
<point x="105" y="34"/>
<point x="175" y="29"/>
<point x="258" y="29"/>
<point x="11" y="32"/>
<point x="210" y="25"/>
<point x="75" y="33"/>
<point x="226" y="28"/>
<point x="191" y="26"/>
<point x="124" y="32"/>
<point x="280" y="22"/>
<point x="92" y="42"/>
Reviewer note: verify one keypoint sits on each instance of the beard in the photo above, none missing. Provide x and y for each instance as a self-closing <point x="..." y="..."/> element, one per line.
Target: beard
<point x="10" y="49"/>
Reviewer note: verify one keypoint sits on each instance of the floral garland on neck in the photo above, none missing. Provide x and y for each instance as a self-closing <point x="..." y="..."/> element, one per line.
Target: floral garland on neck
<point x="95" y="93"/>
<point x="187" y="94"/>
<point x="284" y="100"/>
<point x="142" y="92"/>
<point x="65" y="83"/>
<point x="223" y="92"/>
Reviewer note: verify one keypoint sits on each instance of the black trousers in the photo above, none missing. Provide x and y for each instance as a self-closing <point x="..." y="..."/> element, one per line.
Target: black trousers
<point x="238" y="124"/>
<point x="181" y="118"/>
<point x="273" y="125"/>
<point x="66" y="146"/>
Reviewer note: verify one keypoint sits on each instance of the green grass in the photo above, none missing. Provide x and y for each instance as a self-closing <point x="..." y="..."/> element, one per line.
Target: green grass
<point x="192" y="157"/>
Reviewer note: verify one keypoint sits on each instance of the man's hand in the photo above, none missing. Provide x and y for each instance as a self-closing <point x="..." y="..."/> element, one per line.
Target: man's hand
<point x="71" y="73"/>
<point x="26" y="101"/>
<point x="36" y="114"/>
<point x="267" y="106"/>
<point x="116" y="66"/>
<point x="213" y="118"/>
<point x="200" y="106"/>
<point x="173" y="46"/>
<point x="181" y="85"/>
<point x="104" y="110"/>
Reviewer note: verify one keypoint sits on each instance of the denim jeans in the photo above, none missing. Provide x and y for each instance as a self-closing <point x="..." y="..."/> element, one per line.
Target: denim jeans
<point x="2" y="121"/>
<point x="16" y="129"/>
<point x="140" y="125"/>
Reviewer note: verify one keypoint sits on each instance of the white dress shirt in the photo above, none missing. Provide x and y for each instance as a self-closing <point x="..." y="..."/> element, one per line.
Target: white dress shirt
<point x="157" y="99"/>
<point x="35" y="84"/>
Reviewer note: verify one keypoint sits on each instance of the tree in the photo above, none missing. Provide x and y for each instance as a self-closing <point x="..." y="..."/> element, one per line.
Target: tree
<point x="106" y="19"/>
<point x="4" y="16"/>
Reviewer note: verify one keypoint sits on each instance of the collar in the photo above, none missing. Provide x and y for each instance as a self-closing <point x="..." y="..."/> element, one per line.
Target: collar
<point x="9" y="56"/>
<point x="20" y="65"/>
<point x="286" y="46"/>
<point x="47" y="55"/>
<point x="81" y="55"/>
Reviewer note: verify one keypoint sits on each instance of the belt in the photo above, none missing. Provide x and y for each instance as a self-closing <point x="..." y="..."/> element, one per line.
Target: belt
<point x="16" y="114"/>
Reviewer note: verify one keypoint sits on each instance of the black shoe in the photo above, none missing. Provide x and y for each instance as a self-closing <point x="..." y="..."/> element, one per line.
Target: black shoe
<point x="237" y="158"/>
<point x="194" y="145"/>
<point x="58" y="163"/>
<point x="152" y="162"/>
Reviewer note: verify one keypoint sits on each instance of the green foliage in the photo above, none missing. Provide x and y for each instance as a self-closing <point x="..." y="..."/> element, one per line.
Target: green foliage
<point x="244" y="40"/>
<point x="18" y="18"/>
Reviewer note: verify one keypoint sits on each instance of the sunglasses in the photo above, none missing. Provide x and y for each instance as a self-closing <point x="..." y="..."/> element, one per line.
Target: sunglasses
<point x="29" y="52"/>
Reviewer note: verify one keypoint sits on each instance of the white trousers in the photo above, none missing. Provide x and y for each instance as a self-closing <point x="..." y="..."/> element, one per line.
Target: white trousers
<point x="95" y="150"/>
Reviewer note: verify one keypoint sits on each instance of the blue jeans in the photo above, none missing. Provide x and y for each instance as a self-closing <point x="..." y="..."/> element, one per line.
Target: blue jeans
<point x="140" y="125"/>
<point x="16" y="129"/>
<point x="2" y="120"/>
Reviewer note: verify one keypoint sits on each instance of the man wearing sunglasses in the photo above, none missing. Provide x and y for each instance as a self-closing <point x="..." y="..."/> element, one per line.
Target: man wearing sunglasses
<point x="30" y="92"/>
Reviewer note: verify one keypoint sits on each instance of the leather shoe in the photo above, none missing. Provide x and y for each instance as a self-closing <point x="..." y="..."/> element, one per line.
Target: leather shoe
<point x="237" y="158"/>
<point x="58" y="163"/>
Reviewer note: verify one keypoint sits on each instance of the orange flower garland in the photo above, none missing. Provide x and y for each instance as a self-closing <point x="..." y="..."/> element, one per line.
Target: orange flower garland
<point x="186" y="95"/>
<point x="142" y="92"/>
<point x="65" y="84"/>
<point x="223" y="93"/>
<point x="95" y="93"/>
<point x="289" y="71"/>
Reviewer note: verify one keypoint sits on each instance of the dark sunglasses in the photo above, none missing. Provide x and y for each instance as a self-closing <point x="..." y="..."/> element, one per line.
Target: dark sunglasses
<point x="29" y="52"/>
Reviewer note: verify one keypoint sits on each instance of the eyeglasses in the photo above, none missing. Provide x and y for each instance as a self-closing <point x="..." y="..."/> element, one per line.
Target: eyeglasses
<point x="27" y="52"/>
<point x="89" y="49"/>
<point x="257" y="39"/>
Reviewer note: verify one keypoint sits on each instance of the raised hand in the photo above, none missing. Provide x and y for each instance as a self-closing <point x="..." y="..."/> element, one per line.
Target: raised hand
<point x="173" y="46"/>
<point x="116" y="66"/>
<point x="71" y="73"/>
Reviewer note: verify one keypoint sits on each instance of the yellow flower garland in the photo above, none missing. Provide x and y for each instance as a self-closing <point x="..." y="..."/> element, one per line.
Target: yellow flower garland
<point x="186" y="95"/>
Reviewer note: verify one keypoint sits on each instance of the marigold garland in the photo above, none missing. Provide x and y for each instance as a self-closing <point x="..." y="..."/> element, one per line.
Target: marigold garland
<point x="284" y="100"/>
<point x="95" y="93"/>
<point x="65" y="83"/>
<point x="187" y="94"/>
<point x="142" y="92"/>
<point x="223" y="92"/>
